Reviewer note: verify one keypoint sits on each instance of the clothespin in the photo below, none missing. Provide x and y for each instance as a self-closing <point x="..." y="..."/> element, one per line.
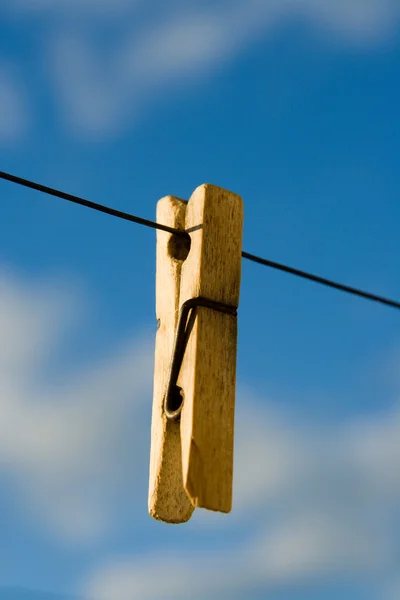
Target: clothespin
<point x="197" y="295"/>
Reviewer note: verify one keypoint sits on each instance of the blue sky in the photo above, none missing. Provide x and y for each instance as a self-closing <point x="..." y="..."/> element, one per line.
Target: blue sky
<point x="294" y="106"/>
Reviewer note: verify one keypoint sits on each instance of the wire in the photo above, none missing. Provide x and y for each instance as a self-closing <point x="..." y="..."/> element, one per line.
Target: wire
<point x="322" y="280"/>
<point x="262" y="261"/>
<point x="93" y="205"/>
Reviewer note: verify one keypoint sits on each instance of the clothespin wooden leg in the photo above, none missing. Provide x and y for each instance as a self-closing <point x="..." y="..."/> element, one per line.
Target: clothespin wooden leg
<point x="168" y="500"/>
<point x="214" y="218"/>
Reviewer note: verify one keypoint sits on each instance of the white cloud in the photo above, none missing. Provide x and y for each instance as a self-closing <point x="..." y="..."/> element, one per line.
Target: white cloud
<point x="91" y="95"/>
<point x="69" y="8"/>
<point x="66" y="447"/>
<point x="317" y="503"/>
<point x="98" y="90"/>
<point x="359" y="17"/>
<point x="101" y="87"/>
<point x="177" y="576"/>
<point x="308" y="547"/>
<point x="13" y="106"/>
<point x="358" y="20"/>
<point x="392" y="591"/>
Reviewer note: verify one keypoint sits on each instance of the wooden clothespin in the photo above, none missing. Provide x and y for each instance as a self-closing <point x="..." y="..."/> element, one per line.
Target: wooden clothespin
<point x="197" y="295"/>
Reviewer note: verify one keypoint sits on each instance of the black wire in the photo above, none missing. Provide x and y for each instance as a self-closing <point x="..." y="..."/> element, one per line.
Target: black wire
<point x="262" y="261"/>
<point x="322" y="280"/>
<point x="77" y="200"/>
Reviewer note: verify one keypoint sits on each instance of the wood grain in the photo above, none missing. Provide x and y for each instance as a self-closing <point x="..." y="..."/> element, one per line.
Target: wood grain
<point x="168" y="500"/>
<point x="213" y="269"/>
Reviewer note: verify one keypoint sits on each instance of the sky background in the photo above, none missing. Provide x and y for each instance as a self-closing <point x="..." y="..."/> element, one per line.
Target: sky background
<point x="294" y="105"/>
